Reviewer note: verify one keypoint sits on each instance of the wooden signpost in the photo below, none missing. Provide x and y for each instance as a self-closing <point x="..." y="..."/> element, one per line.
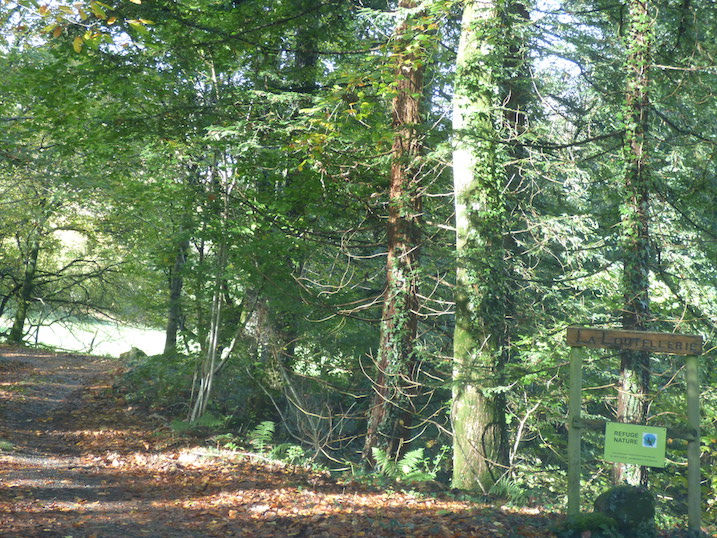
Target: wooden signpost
<point x="674" y="344"/>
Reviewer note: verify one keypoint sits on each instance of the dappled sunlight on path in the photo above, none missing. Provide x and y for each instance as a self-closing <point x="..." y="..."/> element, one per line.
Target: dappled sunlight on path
<point x="77" y="461"/>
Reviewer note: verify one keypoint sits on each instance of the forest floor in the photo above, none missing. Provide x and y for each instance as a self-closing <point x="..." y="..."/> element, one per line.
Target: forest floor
<point x="77" y="461"/>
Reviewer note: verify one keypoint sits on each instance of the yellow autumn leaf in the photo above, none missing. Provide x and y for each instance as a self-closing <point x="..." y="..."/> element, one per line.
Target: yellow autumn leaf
<point x="57" y="32"/>
<point x="77" y="44"/>
<point x="136" y="1"/>
<point x="98" y="10"/>
<point x="138" y="24"/>
<point x="111" y="20"/>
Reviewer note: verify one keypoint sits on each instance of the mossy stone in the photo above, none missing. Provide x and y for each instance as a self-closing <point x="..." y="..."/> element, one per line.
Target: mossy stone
<point x="633" y="508"/>
<point x="133" y="355"/>
<point x="599" y="525"/>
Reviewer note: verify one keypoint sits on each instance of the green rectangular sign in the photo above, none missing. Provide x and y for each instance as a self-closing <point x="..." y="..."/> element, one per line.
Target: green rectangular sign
<point x="635" y="443"/>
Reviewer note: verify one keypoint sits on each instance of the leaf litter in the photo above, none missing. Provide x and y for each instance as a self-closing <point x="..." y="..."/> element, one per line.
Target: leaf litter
<point x="76" y="460"/>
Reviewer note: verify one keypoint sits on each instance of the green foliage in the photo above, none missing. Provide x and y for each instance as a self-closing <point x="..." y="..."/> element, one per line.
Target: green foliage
<point x="597" y="524"/>
<point x="208" y="421"/>
<point x="199" y="137"/>
<point x="289" y="453"/>
<point x="261" y="437"/>
<point x="226" y="440"/>
<point x="161" y="380"/>
<point x="211" y="421"/>
<point x="412" y="467"/>
<point x="506" y="488"/>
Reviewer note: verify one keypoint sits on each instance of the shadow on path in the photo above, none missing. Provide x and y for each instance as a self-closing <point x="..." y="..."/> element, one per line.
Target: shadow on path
<point x="83" y="464"/>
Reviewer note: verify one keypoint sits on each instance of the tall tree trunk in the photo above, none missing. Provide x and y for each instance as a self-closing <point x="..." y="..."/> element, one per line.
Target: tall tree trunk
<point x="395" y="387"/>
<point x="306" y="57"/>
<point x="176" y="283"/>
<point x="26" y="290"/>
<point x="481" y="294"/>
<point x="302" y="80"/>
<point x="207" y="367"/>
<point x="636" y="251"/>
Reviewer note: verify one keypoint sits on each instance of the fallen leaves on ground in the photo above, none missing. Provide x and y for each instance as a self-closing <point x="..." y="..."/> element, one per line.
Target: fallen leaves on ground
<point x="109" y="470"/>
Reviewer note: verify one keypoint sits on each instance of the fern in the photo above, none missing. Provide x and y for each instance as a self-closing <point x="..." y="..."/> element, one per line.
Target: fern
<point x="413" y="467"/>
<point x="210" y="420"/>
<point x="225" y="440"/>
<point x="181" y="426"/>
<point x="386" y="465"/>
<point x="288" y="453"/>
<point x="411" y="462"/>
<point x="262" y="435"/>
<point x="508" y="489"/>
<point x="207" y="420"/>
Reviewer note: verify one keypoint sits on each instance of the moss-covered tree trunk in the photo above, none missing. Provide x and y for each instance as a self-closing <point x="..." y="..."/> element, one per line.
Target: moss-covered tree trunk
<point x="391" y="411"/>
<point x="481" y="295"/>
<point x="635" y="238"/>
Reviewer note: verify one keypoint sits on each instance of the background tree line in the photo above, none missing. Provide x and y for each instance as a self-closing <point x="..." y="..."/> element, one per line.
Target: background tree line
<point x="370" y="222"/>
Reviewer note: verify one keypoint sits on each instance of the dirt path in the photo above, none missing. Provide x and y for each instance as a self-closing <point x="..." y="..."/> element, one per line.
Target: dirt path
<point x="63" y="457"/>
<point x="76" y="461"/>
<point x="50" y="487"/>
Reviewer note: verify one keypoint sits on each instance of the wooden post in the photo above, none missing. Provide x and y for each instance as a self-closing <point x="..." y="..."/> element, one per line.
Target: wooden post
<point x="693" y="446"/>
<point x="689" y="346"/>
<point x="574" y="429"/>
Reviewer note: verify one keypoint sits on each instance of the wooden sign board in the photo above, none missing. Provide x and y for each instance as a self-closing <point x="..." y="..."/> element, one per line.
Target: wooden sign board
<point x="673" y="344"/>
<point x="636" y="444"/>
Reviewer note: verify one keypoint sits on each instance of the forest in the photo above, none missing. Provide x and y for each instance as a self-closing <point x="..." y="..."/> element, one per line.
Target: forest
<point x="364" y="226"/>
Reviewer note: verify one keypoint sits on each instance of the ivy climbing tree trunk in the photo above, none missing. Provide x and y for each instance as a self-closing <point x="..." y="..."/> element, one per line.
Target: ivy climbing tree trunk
<point x="635" y="237"/>
<point x="481" y="294"/>
<point x="395" y="383"/>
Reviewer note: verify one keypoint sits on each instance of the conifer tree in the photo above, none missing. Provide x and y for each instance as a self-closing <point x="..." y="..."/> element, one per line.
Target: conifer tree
<point x="395" y="383"/>
<point x="635" y="237"/>
<point x="478" y="413"/>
